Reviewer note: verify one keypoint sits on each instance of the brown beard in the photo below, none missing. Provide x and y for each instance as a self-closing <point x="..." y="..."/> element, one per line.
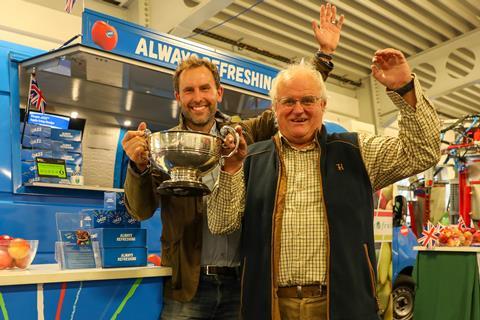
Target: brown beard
<point x="197" y="122"/>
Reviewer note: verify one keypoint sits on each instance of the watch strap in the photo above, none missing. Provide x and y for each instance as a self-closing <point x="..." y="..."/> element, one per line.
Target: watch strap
<point x="406" y="88"/>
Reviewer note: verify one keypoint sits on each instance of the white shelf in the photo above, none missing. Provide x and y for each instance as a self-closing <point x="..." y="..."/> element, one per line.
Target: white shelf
<point x="71" y="186"/>
<point x="48" y="273"/>
<point x="448" y="249"/>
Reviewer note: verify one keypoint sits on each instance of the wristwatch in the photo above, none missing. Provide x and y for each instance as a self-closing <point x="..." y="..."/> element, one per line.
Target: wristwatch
<point x="319" y="55"/>
<point x="324" y="58"/>
<point x="406" y="88"/>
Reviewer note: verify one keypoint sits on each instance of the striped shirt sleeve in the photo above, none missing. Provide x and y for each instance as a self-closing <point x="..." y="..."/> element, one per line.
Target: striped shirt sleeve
<point x="417" y="147"/>
<point x="226" y="203"/>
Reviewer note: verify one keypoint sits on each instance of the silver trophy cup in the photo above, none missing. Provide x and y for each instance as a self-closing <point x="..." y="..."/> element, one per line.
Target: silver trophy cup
<point x="186" y="156"/>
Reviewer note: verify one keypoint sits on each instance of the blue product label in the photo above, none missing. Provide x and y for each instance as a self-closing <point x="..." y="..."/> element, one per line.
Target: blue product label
<point x="124" y="257"/>
<point x="37" y="142"/>
<point x="70" y="158"/>
<point x="31" y="154"/>
<point x="109" y="201"/>
<point x="66" y="135"/>
<point x="120" y="237"/>
<point x="37" y="130"/>
<point x="66" y="146"/>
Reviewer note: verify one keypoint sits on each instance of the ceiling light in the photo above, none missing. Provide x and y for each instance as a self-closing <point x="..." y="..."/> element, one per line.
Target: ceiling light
<point x="74" y="115"/>
<point x="129" y="99"/>
<point x="76" y="89"/>
<point x="127" y="123"/>
<point x="174" y="109"/>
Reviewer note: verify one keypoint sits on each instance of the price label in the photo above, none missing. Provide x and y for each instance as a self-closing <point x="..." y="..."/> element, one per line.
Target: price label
<point x="51" y="168"/>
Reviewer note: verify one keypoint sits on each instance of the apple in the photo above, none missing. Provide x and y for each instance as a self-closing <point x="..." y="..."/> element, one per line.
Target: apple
<point x="155" y="259"/>
<point x="104" y="35"/>
<point x="443" y="238"/>
<point x="5" y="241"/>
<point x="476" y="237"/>
<point x="23" y="263"/>
<point x="448" y="232"/>
<point x="5" y="260"/>
<point x="457" y="232"/>
<point x="468" y="235"/>
<point x="19" y="248"/>
<point x="451" y="242"/>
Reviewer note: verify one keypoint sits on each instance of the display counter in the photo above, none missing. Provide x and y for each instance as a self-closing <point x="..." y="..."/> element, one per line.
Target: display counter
<point x="48" y="273"/>
<point x="447" y="283"/>
<point x="46" y="292"/>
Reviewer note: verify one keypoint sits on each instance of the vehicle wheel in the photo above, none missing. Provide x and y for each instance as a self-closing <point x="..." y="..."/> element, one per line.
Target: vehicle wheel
<point x="403" y="295"/>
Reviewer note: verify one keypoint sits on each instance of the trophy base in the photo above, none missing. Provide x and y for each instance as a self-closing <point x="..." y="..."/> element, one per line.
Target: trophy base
<point x="183" y="189"/>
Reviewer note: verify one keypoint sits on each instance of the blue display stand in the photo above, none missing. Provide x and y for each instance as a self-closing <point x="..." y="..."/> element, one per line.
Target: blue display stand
<point x="32" y="216"/>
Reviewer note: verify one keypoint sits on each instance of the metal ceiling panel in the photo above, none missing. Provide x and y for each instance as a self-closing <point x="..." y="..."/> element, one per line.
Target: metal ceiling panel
<point x="282" y="27"/>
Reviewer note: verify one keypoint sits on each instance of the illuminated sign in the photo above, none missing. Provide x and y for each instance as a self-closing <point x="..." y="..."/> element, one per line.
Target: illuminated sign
<point x="134" y="41"/>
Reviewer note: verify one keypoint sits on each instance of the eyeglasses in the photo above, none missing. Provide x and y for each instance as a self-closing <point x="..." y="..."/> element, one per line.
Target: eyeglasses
<point x="306" y="101"/>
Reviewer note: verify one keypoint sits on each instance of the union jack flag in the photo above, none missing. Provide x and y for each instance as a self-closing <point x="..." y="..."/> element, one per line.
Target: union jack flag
<point x="462" y="226"/>
<point x="36" y="97"/>
<point x="429" y="236"/>
<point x="440" y="227"/>
<point x="69" y="5"/>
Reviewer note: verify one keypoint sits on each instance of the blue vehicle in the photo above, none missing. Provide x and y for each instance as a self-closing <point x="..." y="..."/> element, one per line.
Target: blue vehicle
<point x="403" y="261"/>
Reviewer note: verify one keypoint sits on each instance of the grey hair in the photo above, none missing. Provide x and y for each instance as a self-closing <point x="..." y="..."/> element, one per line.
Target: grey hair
<point x="293" y="69"/>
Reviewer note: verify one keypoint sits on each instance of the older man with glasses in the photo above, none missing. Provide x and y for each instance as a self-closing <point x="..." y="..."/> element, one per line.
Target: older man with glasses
<point x="305" y="197"/>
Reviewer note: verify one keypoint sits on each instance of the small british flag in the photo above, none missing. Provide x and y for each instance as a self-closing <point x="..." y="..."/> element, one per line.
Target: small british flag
<point x="35" y="97"/>
<point x="440" y="227"/>
<point x="429" y="236"/>
<point x="462" y="226"/>
<point x="69" y="5"/>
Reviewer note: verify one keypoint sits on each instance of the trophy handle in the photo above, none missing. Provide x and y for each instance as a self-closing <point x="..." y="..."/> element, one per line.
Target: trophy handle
<point x="226" y="130"/>
<point x="147" y="133"/>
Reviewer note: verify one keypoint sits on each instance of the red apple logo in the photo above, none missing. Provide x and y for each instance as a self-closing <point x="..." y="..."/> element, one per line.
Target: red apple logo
<point x="104" y="35"/>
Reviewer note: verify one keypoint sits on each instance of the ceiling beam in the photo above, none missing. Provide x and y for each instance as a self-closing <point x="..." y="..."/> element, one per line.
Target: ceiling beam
<point x="180" y="19"/>
<point x="453" y="21"/>
<point x="438" y="56"/>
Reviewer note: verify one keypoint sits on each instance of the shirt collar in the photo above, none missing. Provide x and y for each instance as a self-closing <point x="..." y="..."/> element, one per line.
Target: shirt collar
<point x="313" y="145"/>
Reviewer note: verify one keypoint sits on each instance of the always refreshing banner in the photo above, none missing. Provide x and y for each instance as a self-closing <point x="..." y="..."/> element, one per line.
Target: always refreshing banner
<point x="134" y="41"/>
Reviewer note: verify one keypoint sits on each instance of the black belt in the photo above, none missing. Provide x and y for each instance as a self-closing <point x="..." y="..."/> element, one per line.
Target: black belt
<point x="300" y="292"/>
<point x="221" y="271"/>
